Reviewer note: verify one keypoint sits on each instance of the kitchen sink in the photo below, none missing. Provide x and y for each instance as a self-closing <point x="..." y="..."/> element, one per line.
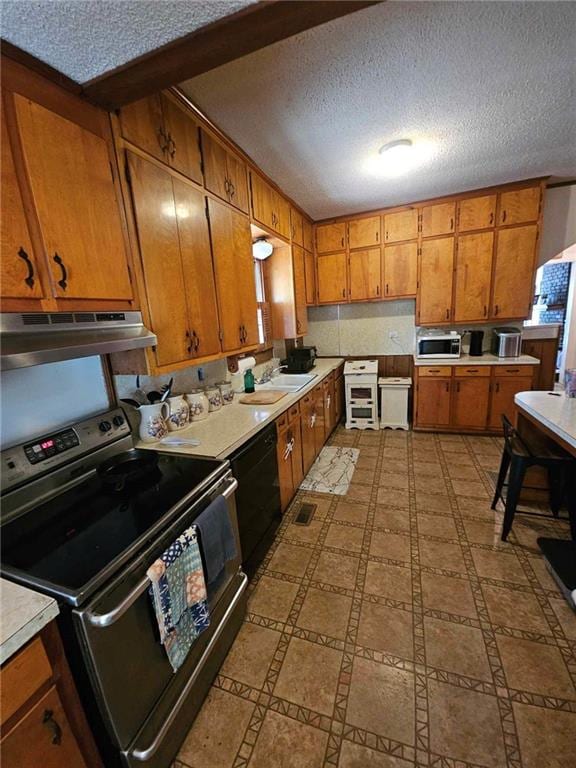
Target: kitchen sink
<point x="288" y="382"/>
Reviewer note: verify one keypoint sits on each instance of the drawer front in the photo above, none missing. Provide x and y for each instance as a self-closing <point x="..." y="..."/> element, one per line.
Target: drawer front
<point x="22" y="676"/>
<point x="513" y="370"/>
<point x="471" y="370"/>
<point x="282" y="421"/>
<point x="294" y="411"/>
<point x="434" y="370"/>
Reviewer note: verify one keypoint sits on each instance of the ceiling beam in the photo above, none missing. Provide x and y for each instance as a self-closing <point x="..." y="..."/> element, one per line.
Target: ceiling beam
<point x="252" y="28"/>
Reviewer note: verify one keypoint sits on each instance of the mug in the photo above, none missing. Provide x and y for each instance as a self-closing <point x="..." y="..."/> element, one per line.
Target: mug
<point x="153" y="422"/>
<point x="178" y="412"/>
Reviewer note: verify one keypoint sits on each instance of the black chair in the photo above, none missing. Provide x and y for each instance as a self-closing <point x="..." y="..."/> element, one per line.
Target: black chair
<point x="518" y="456"/>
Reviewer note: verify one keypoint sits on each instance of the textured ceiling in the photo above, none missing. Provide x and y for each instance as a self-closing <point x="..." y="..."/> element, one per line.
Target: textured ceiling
<point x="85" y="38"/>
<point x="489" y="85"/>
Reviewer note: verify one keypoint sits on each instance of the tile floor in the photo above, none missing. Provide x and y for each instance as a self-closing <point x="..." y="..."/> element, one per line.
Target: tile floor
<point x="396" y="630"/>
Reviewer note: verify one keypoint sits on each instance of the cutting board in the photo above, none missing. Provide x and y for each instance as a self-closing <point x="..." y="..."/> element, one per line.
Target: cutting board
<point x="262" y="398"/>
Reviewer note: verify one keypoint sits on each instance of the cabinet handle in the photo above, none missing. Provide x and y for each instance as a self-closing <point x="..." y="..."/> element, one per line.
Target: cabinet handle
<point x="485" y="310"/>
<point x="377" y="290"/>
<point x="227" y="186"/>
<point x="471" y="370"/>
<point x="162" y="140"/>
<point x="503" y="216"/>
<point x="171" y="146"/>
<point x="513" y="370"/>
<point x="195" y="341"/>
<point x="63" y="283"/>
<point x="343" y="293"/>
<point x="457" y="386"/>
<point x="29" y="280"/>
<point x="53" y="727"/>
<point x="451" y="224"/>
<point x="232" y="189"/>
<point x="377" y="236"/>
<point x="342" y="241"/>
<point x="386" y="289"/>
<point x="447" y="314"/>
<point x="189" y="347"/>
<point x="496" y="309"/>
<point x="491" y="221"/>
<point x="386" y="235"/>
<point x="447" y="386"/>
<point x="497" y="386"/>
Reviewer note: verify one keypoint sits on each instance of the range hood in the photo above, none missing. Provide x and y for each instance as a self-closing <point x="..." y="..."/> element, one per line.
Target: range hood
<point x="46" y="337"/>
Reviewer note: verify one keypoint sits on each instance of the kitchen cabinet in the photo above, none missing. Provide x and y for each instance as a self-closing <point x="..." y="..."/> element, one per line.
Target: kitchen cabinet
<point x="519" y="206"/>
<point x="470" y="401"/>
<point x="307" y="431"/>
<point x="300" y="290"/>
<point x="473" y="277"/>
<point x="307" y="235"/>
<point x="502" y="402"/>
<point x="438" y="219"/>
<point x="330" y="237"/>
<point x="331" y="273"/>
<point x="338" y="395"/>
<point x="295" y="418"/>
<point x="365" y="274"/>
<point x="436" y="270"/>
<point x="319" y="418"/>
<point x="296" y="227"/>
<point x="234" y="277"/>
<point x="514" y="272"/>
<point x="328" y="395"/>
<point x="401" y="225"/>
<point x="142" y="124"/>
<point x="285" y="276"/>
<point x="400" y="270"/>
<point x="364" y="233"/>
<point x="433" y="401"/>
<point x="224" y="173"/>
<point x="476" y="213"/>
<point x="310" y="273"/>
<point x="269" y="207"/>
<point x="289" y="454"/>
<point x="175" y="250"/>
<point x="545" y="350"/>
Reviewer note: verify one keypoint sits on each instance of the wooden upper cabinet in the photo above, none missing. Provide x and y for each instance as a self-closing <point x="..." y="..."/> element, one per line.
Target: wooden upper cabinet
<point x="331" y="272"/>
<point x="400" y="270"/>
<point x="433" y="402"/>
<point x="476" y="213"/>
<point x="473" y="277"/>
<point x="142" y="124"/>
<point x="237" y="174"/>
<point x="401" y="225"/>
<point x="19" y="277"/>
<point x="70" y="174"/>
<point x="514" y="272"/>
<point x="269" y="207"/>
<point x="310" y="271"/>
<point x="438" y="219"/>
<point x="307" y="235"/>
<point x="300" y="290"/>
<point x="234" y="275"/>
<point x="470" y="402"/>
<point x="364" y="233"/>
<point x="224" y="172"/>
<point x="434" y="302"/>
<point x="330" y="237"/>
<point x="519" y="206"/>
<point x="296" y="227"/>
<point x="281" y="212"/>
<point x="183" y="135"/>
<point x="365" y="274"/>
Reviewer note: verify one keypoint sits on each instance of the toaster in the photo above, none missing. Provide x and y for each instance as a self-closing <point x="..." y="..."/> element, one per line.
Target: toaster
<point x="506" y="342"/>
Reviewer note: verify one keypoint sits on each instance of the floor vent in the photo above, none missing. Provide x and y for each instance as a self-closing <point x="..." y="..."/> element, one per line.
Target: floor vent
<point x="305" y="514"/>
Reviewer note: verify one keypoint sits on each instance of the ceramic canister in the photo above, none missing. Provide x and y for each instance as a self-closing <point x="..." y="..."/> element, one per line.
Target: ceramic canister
<point x="179" y="412"/>
<point x="198" y="403"/>
<point x="226" y="392"/>
<point x="153" y="422"/>
<point x="214" y="398"/>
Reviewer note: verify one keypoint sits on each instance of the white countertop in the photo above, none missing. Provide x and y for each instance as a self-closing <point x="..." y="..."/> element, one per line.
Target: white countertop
<point x="24" y="614"/>
<point x="486" y="359"/>
<point x="556" y="413"/>
<point x="227" y="429"/>
<point x="543" y="331"/>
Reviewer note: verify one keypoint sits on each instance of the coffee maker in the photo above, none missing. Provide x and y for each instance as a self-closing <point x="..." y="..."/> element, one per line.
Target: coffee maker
<point x="476" y="338"/>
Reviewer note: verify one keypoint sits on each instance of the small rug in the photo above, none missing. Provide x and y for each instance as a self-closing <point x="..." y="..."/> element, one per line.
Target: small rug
<point x="332" y="471"/>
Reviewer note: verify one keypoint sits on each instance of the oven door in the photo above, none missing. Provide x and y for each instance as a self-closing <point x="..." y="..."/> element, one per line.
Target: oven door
<point x="118" y="633"/>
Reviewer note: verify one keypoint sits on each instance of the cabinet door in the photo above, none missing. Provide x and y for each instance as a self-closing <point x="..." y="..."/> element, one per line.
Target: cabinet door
<point x="307" y="420"/>
<point x="196" y="257"/>
<point x="365" y="274"/>
<point x="234" y="273"/>
<point x="183" y="139"/>
<point x="330" y="237"/>
<point x="19" y="276"/>
<point x="473" y="276"/>
<point x="297" y="453"/>
<point x="434" y="301"/>
<point x="215" y="166"/>
<point x="164" y="275"/>
<point x="402" y="225"/>
<point x="514" y="271"/>
<point x="400" y="269"/>
<point x="470" y="402"/>
<point x="70" y="174"/>
<point x="319" y="421"/>
<point x="338" y="399"/>
<point x="331" y="271"/>
<point x="519" y="206"/>
<point x="296" y="229"/>
<point x="284" y="456"/>
<point x="307" y="235"/>
<point x="438" y="219"/>
<point x="299" y="290"/>
<point x="476" y="213"/>
<point x="142" y="124"/>
<point x="262" y="200"/>
<point x="310" y="269"/>
<point x="329" y="406"/>
<point x="502" y="400"/>
<point x="433" y="402"/>
<point x="237" y="175"/>
<point x="281" y="209"/>
<point x="364" y="233"/>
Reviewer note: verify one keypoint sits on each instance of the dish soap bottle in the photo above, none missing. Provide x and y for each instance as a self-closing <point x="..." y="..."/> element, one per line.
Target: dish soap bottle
<point x="248" y="381"/>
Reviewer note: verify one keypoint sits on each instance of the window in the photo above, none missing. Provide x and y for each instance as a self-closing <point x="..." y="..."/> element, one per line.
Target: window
<point x="264" y="317"/>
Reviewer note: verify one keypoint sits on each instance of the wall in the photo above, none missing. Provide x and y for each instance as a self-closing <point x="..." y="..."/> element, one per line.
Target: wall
<point x="558" y="223"/>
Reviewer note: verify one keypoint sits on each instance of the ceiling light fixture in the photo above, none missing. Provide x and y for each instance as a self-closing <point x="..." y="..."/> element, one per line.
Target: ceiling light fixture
<point x="399" y="157"/>
<point x="262" y="249"/>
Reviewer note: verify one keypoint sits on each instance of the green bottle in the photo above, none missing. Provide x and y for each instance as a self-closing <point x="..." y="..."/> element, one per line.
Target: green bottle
<point x="248" y="381"/>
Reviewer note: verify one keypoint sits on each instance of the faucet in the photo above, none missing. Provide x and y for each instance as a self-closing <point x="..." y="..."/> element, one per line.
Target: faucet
<point x="269" y="373"/>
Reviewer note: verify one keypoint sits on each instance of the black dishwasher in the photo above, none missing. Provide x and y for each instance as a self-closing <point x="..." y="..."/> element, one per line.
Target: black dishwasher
<point x="258" y="496"/>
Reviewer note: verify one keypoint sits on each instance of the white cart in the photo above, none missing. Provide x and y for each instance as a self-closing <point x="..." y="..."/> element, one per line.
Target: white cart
<point x="394" y="402"/>
<point x="361" y="378"/>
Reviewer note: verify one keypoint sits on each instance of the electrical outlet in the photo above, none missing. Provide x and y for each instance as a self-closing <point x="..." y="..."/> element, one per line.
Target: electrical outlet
<point x="393" y="335"/>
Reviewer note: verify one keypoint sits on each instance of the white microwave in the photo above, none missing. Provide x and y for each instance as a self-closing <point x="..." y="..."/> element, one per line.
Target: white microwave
<point x="439" y="344"/>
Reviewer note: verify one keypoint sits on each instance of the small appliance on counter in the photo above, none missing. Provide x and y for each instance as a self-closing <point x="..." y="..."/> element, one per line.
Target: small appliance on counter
<point x="436" y="343"/>
<point x="300" y="360"/>
<point x="476" y="339"/>
<point x="506" y="341"/>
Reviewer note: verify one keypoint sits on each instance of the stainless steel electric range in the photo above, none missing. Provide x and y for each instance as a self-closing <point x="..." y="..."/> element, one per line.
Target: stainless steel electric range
<point x="83" y="516"/>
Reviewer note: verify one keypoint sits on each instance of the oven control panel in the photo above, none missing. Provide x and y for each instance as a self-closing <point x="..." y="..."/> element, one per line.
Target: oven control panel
<point x="48" y="446"/>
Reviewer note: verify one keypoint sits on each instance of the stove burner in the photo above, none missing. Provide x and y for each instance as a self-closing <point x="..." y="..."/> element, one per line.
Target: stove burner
<point x="125" y="469"/>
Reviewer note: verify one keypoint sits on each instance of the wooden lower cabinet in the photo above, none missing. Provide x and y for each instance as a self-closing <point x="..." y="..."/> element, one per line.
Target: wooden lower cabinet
<point x="503" y="390"/>
<point x="338" y="396"/>
<point x="470" y="400"/>
<point x="329" y="417"/>
<point x="432" y="402"/>
<point x="307" y="431"/>
<point x="284" y="456"/>
<point x="319" y="419"/>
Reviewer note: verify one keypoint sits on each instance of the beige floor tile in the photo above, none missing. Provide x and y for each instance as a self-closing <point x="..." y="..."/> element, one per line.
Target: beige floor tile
<point x="273" y="598"/>
<point x="448" y="594"/>
<point x="358" y="756"/>
<point x="480" y="508"/>
<point x="366" y="463"/>
<point x="498" y="565"/>
<point x="546" y="736"/>
<point x="465" y="725"/>
<point x="364" y="476"/>
<point x="470" y="488"/>
<point x="393" y="480"/>
<point x="437" y="525"/>
<point x="287" y="743"/>
<point x="217" y="732"/>
<point x="456" y="648"/>
<point x="394" y="519"/>
<point x="368" y="450"/>
<point x="426" y="468"/>
<point x="394" y="466"/>
<point x="305" y="533"/>
<point x="309" y="676"/>
<point x="326" y="613"/>
<point x="393" y="497"/>
<point x="357" y="492"/>
<point x="535" y="667"/>
<point x="390" y="581"/>
<point x="433" y="502"/>
<point x="394" y="546"/>
<point x="463" y="472"/>
<point x="350" y="512"/>
<point x="344" y="537"/>
<point x="478" y="532"/>
<point x="511" y="608"/>
<point x="435" y="484"/>
<point x="441" y="554"/>
<point x="338" y="570"/>
<point x="250" y="656"/>
<point x="462" y="459"/>
<point x="386" y="629"/>
<point x="381" y="700"/>
<point x="290" y="559"/>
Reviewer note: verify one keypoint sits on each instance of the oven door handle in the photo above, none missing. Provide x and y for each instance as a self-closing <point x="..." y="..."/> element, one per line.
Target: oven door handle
<point x="148" y="752"/>
<point x="106" y="619"/>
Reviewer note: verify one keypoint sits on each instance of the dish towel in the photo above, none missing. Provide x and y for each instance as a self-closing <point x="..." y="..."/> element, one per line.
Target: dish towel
<point x="179" y="596"/>
<point x="216" y="537"/>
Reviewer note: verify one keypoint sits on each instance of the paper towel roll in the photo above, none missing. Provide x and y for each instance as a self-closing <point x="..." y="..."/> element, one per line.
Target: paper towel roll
<point x="245" y="363"/>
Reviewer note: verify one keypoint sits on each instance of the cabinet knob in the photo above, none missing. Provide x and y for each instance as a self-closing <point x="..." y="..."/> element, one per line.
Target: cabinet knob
<point x="63" y="282"/>
<point x="52" y="726"/>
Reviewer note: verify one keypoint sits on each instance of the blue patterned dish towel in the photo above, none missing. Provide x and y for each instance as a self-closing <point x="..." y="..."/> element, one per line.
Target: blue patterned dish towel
<point x="179" y="596"/>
